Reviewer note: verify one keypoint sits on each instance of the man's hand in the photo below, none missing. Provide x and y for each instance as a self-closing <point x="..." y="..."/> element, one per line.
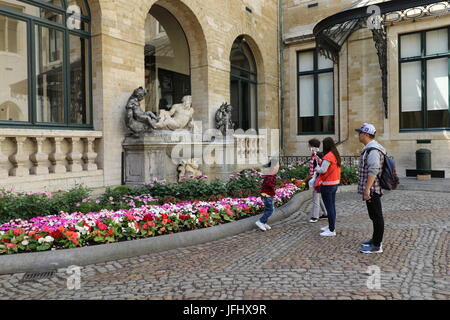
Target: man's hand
<point x="367" y="195"/>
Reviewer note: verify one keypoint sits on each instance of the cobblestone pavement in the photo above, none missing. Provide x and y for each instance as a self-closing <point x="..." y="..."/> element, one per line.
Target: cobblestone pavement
<point x="291" y="261"/>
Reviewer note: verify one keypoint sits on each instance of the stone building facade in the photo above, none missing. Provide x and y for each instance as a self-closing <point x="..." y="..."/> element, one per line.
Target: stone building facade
<point x="58" y="156"/>
<point x="357" y="82"/>
<point x="67" y="80"/>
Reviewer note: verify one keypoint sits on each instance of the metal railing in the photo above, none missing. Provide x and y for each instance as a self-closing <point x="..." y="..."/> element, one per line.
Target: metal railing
<point x="348" y="161"/>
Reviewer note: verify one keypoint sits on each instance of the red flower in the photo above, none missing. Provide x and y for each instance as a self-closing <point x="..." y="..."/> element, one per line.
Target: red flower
<point x="164" y="216"/>
<point x="148" y="217"/>
<point x="11" y="245"/>
<point x="56" y="234"/>
<point x="129" y="216"/>
<point x="102" y="226"/>
<point x="183" y="217"/>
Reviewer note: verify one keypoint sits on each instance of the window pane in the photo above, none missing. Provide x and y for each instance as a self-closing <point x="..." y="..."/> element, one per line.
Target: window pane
<point x="412" y="120"/>
<point x="437" y="84"/>
<point x="438" y="119"/>
<point x="411" y="86"/>
<point x="324" y="62"/>
<point x="326" y="105"/>
<point x="306" y="61"/>
<point x="12" y="35"/>
<point x="411" y="45"/>
<point x="326" y="124"/>
<point x="3" y="27"/>
<point x="80" y="4"/>
<point x="53" y="2"/>
<point x="49" y="75"/>
<point x="306" y="125"/>
<point x="437" y="41"/>
<point x="306" y="94"/>
<point x="14" y="70"/>
<point x="79" y="84"/>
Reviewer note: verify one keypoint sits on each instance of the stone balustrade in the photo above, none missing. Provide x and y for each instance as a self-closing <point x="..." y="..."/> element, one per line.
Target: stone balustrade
<point x="27" y="153"/>
<point x="251" y="149"/>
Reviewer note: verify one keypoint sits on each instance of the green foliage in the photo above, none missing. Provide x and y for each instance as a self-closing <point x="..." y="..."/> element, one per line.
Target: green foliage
<point x="297" y="172"/>
<point x="349" y="175"/>
<point x="30" y="205"/>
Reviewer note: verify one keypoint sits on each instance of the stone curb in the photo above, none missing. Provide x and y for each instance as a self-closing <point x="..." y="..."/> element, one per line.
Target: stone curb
<point x="51" y="260"/>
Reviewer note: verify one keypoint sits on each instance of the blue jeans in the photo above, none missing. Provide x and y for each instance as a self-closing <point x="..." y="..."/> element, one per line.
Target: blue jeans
<point x="329" y="198"/>
<point x="268" y="203"/>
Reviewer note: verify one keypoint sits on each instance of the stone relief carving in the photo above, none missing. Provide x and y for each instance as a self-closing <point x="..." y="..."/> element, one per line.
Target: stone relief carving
<point x="188" y="168"/>
<point x="136" y="120"/>
<point x="223" y="118"/>
<point x="179" y="116"/>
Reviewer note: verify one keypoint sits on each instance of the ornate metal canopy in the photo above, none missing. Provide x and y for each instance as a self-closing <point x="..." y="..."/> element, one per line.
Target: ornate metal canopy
<point x="332" y="32"/>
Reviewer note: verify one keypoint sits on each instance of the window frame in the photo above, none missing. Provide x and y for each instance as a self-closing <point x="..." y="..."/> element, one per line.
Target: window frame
<point x="32" y="51"/>
<point x="315" y="73"/>
<point x="423" y="59"/>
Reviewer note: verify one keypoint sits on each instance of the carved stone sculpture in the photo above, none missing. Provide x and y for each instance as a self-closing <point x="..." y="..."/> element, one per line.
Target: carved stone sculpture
<point x="178" y="117"/>
<point x="223" y="118"/>
<point x="188" y="168"/>
<point x="138" y="121"/>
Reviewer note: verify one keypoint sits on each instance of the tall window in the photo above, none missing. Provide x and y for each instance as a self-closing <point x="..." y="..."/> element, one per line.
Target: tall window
<point x="243" y="86"/>
<point x="167" y="60"/>
<point x="45" y="52"/>
<point x="315" y="93"/>
<point x="424" y="85"/>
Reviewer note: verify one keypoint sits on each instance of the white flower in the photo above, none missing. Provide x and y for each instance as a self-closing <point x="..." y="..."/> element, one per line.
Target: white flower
<point x="48" y="239"/>
<point x="25" y="242"/>
<point x="41" y="240"/>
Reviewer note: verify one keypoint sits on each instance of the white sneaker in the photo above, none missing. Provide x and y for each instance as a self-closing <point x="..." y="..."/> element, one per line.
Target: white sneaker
<point x="267" y="226"/>
<point x="328" y="233"/>
<point x="325" y="228"/>
<point x="261" y="225"/>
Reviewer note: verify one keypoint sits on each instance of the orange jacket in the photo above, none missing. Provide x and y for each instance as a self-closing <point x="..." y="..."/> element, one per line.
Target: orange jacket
<point x="333" y="175"/>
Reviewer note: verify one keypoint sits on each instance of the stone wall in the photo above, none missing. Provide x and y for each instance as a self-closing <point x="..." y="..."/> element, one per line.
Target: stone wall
<point x="358" y="93"/>
<point x="118" y="39"/>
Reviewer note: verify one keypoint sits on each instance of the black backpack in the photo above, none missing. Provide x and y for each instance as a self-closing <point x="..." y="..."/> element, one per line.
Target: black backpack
<point x="388" y="175"/>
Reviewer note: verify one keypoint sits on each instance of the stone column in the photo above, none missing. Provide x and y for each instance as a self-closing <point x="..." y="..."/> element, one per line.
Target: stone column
<point x="39" y="158"/>
<point x="90" y="156"/>
<point x="57" y="157"/>
<point x="74" y="157"/>
<point x="4" y="162"/>
<point x="19" y="159"/>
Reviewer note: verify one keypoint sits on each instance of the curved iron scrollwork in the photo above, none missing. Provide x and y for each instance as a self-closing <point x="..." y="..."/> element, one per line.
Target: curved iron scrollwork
<point x="332" y="32"/>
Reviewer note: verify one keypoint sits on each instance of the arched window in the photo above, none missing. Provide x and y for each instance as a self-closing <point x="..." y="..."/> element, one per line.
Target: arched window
<point x="167" y="60"/>
<point x="243" y="85"/>
<point x="45" y="54"/>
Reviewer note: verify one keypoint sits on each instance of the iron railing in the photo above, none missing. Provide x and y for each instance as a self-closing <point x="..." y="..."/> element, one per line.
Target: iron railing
<point x="348" y="161"/>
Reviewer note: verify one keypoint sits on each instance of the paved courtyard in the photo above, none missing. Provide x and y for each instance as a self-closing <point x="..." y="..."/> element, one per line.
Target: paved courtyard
<point x="289" y="262"/>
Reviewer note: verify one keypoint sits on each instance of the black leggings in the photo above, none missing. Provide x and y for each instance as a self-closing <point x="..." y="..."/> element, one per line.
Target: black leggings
<point x="376" y="215"/>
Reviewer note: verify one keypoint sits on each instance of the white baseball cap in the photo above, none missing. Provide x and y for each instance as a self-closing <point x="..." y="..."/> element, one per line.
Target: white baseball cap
<point x="367" y="128"/>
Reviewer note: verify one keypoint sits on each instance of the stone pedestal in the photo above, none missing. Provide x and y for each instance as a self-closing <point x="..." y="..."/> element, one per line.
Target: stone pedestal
<point x="158" y="154"/>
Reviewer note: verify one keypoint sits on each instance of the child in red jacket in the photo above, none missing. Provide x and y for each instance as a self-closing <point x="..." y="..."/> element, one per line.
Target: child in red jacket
<point x="268" y="193"/>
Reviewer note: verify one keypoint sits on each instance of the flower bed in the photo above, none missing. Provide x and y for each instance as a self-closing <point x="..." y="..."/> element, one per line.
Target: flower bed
<point x="70" y="230"/>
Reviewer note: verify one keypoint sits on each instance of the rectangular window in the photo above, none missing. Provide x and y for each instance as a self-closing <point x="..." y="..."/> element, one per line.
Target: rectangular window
<point x="49" y="76"/>
<point x="315" y="93"/>
<point x="14" y="70"/>
<point x="424" y="72"/>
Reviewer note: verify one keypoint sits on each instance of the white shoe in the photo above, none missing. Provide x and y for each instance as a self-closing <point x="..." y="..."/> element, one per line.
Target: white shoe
<point x="327" y="228"/>
<point x="267" y="226"/>
<point x="261" y="225"/>
<point x="328" y="233"/>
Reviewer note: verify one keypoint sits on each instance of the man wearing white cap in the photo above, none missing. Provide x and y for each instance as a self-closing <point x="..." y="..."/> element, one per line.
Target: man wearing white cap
<point x="370" y="165"/>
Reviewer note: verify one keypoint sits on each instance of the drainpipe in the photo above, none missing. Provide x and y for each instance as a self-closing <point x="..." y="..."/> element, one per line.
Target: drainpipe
<point x="281" y="75"/>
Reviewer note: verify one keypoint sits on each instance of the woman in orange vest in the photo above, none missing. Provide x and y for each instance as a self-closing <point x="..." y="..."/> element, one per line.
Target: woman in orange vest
<point x="327" y="183"/>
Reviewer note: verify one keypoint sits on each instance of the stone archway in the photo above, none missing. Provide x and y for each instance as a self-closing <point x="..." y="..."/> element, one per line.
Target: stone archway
<point x="198" y="53"/>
